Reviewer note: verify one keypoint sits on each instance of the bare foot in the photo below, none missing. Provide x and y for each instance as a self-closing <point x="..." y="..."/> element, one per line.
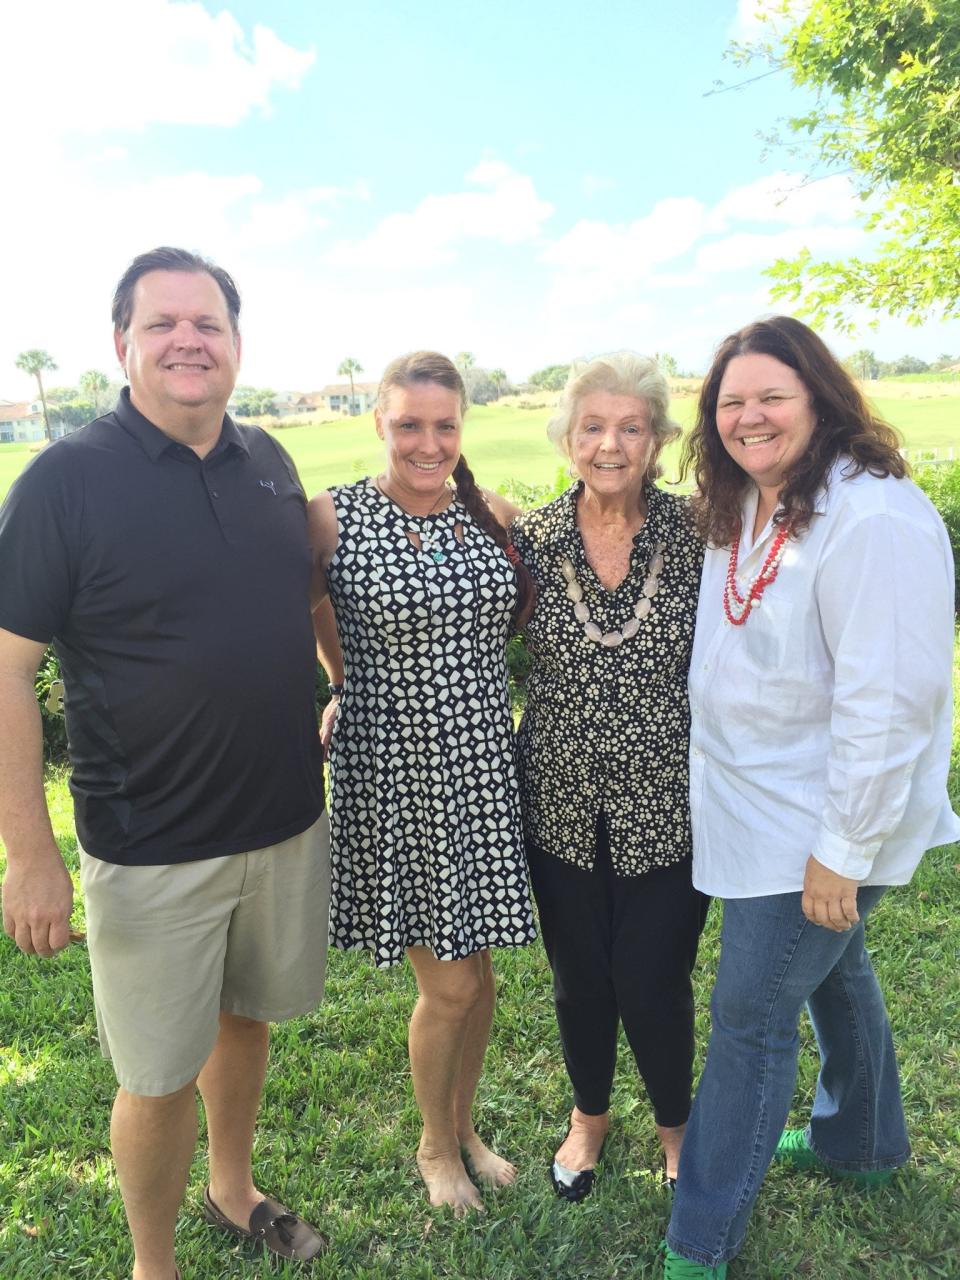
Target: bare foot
<point x="671" y="1139"/>
<point x="581" y="1147"/>
<point x="486" y="1164"/>
<point x="447" y="1181"/>
<point x="237" y="1204"/>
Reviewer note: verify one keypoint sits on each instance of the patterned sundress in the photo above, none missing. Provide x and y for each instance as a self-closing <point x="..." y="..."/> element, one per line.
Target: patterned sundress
<point x="427" y="847"/>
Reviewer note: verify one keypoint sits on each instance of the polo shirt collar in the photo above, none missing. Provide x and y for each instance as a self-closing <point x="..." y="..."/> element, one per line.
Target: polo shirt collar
<point x="155" y="442"/>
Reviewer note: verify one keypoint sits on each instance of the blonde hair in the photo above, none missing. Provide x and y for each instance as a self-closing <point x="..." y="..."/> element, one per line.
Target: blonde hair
<point x="431" y="366"/>
<point x="421" y="366"/>
<point x="622" y="373"/>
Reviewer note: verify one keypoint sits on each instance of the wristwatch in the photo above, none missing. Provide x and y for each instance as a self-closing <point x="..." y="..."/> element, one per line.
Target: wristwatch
<point x="335" y="690"/>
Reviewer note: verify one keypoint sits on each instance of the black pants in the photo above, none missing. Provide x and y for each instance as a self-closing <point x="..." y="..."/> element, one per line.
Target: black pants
<point x="622" y="948"/>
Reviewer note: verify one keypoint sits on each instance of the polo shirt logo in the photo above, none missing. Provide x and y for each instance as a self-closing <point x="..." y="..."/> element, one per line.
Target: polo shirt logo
<point x="268" y="484"/>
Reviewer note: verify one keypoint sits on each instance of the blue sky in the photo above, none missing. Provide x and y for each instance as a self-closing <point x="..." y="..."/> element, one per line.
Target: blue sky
<point x="529" y="181"/>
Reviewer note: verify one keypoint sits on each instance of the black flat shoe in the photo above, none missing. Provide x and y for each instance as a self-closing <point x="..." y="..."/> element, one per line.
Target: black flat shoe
<point x="574" y="1185"/>
<point x="580" y="1184"/>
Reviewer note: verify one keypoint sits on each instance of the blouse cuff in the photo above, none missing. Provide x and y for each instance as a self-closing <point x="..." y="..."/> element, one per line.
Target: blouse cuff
<point x="845" y="857"/>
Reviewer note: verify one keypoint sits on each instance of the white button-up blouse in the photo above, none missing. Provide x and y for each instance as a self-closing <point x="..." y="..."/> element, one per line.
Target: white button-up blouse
<point x="822" y="725"/>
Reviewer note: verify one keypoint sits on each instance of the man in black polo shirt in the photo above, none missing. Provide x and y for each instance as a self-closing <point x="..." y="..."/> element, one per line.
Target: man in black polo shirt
<point x="163" y="550"/>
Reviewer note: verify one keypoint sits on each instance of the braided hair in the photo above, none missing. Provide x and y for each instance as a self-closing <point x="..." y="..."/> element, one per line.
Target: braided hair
<point x="431" y="366"/>
<point x="476" y="504"/>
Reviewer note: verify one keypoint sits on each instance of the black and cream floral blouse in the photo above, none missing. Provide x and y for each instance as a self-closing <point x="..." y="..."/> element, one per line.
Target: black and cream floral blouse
<point x="607" y="729"/>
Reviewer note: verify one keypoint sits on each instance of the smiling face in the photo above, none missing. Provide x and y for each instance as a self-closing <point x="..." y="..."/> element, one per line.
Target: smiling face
<point x="611" y="443"/>
<point x="765" y="418"/>
<point x="420" y="426"/>
<point x="179" y="351"/>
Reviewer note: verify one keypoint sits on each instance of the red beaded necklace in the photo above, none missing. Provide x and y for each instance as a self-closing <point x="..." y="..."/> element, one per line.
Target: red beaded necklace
<point x="768" y="573"/>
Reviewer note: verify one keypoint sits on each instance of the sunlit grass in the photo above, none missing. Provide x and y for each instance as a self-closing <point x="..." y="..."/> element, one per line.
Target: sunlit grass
<point x="505" y="442"/>
<point x="339" y="1127"/>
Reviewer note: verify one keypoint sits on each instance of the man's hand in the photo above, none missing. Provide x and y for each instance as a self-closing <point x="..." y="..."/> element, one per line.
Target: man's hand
<point x="37" y="901"/>
<point x="828" y="899"/>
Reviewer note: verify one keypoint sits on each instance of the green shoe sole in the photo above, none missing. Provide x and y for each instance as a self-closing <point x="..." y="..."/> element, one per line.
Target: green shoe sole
<point x="794" y="1149"/>
<point x="677" y="1268"/>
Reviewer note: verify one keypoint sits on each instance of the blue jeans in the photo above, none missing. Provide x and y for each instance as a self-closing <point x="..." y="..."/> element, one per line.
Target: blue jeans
<point x="772" y="962"/>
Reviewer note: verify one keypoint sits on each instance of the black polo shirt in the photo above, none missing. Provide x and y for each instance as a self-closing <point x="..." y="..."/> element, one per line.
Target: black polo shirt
<point x="176" y="592"/>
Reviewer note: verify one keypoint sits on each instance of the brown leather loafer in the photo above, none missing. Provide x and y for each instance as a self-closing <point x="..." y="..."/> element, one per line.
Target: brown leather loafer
<point x="272" y="1227"/>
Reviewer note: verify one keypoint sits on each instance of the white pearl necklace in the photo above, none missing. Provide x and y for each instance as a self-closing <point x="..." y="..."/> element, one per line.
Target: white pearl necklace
<point x="641" y="610"/>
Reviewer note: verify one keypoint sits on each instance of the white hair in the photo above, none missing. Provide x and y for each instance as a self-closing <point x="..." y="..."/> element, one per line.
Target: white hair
<point x="622" y="373"/>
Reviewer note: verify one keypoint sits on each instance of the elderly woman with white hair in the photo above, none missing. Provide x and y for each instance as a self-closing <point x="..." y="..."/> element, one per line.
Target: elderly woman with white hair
<point x="602" y="752"/>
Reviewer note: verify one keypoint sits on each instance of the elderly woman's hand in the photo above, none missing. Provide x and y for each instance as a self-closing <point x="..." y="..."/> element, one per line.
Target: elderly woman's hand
<point x="829" y="899"/>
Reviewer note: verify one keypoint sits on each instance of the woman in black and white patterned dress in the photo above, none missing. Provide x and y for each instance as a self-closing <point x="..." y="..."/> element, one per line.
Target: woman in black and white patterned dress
<point x="426" y="841"/>
<point x="602" y="754"/>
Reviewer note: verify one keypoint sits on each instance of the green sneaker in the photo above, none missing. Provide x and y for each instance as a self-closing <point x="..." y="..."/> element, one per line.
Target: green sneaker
<point x="677" y="1268"/>
<point x="794" y="1149"/>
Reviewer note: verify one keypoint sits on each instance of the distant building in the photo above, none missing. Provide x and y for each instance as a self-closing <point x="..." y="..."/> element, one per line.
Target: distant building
<point x="21" y="422"/>
<point x="336" y="397"/>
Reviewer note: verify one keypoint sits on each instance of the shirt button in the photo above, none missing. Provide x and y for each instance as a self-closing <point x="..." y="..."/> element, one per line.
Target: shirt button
<point x="214" y="494"/>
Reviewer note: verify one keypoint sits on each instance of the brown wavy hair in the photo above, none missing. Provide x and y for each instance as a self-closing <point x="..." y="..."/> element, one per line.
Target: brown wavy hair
<point x="845" y="424"/>
<point x="431" y="366"/>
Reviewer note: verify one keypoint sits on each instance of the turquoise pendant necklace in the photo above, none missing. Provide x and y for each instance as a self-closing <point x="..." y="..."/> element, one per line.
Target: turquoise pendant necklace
<point x="430" y="546"/>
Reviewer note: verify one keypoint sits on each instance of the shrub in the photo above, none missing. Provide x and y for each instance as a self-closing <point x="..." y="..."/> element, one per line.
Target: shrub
<point x="528" y="496"/>
<point x="941" y="484"/>
<point x="54" y="729"/>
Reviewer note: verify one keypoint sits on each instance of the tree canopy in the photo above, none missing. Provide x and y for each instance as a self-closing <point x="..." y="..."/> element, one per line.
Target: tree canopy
<point x="95" y="386"/>
<point x="36" y="361"/>
<point x="347" y="368"/>
<point x="254" y="402"/>
<point x="887" y="78"/>
<point x="551" y="378"/>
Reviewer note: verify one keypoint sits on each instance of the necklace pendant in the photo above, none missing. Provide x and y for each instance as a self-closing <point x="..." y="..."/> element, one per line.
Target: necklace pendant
<point x="438" y="556"/>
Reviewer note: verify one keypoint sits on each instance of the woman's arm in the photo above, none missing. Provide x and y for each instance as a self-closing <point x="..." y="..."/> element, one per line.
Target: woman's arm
<point x="331" y="657"/>
<point x="503" y="509"/>
<point x="885" y="601"/>
<point x="323" y="531"/>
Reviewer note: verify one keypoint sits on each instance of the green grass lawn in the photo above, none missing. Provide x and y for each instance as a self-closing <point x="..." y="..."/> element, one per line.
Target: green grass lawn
<point x="504" y="443"/>
<point x="339" y="1124"/>
<point x="339" y="1127"/>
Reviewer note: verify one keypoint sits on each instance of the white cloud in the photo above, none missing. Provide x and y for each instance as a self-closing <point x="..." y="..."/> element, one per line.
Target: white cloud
<point x="88" y="239"/>
<point x="325" y="319"/>
<point x="113" y="64"/>
<point x="509" y="211"/>
<point x="632" y="249"/>
<point x="601" y="261"/>
<point x="746" y="249"/>
<point x="788" y="198"/>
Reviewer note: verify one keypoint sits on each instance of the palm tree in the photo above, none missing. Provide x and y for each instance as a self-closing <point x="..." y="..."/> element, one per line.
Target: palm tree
<point x="36" y="361"/>
<point x="464" y="360"/>
<point x="93" y="384"/>
<point x="348" y="368"/>
<point x="499" y="379"/>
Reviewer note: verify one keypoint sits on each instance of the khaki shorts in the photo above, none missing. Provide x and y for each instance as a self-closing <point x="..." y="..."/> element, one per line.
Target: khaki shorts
<point x="172" y="946"/>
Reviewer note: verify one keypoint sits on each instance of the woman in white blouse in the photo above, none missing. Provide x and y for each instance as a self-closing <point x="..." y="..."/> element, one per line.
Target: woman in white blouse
<point x="820" y="692"/>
